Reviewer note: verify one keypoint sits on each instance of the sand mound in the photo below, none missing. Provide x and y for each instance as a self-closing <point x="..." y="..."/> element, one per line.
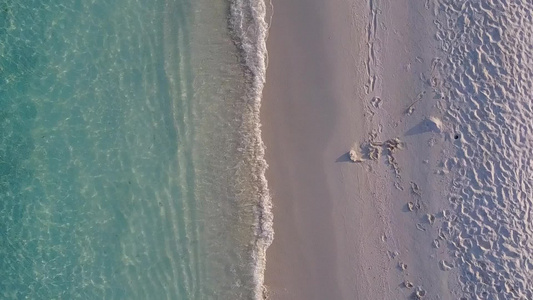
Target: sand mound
<point x="434" y="124"/>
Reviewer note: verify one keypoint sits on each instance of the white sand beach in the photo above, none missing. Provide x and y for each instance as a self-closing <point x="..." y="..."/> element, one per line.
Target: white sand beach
<point x="424" y="212"/>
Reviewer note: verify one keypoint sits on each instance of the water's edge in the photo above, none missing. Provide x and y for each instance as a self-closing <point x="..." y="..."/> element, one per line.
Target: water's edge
<point x="250" y="30"/>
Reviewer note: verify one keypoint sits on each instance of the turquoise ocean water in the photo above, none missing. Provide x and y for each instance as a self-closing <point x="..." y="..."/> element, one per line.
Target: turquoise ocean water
<point x="131" y="164"/>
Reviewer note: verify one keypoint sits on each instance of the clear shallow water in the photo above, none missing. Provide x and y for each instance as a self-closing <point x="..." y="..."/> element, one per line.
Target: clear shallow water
<point x="130" y="159"/>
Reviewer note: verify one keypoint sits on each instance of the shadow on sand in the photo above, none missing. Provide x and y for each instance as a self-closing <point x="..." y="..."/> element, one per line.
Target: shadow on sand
<point x="423" y="127"/>
<point x="344" y="158"/>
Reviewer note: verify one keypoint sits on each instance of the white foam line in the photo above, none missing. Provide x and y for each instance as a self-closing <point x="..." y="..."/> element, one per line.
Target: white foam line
<point x="250" y="29"/>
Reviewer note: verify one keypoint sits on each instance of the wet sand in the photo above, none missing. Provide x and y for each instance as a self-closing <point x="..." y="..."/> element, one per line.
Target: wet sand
<point x="299" y="116"/>
<point x="325" y="227"/>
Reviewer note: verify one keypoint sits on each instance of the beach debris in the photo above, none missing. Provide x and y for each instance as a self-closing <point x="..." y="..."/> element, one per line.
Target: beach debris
<point x="419" y="227"/>
<point x="408" y="284"/>
<point x="436" y="243"/>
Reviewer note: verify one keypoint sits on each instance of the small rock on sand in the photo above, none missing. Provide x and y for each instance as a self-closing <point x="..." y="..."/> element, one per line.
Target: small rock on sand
<point x="354" y="156"/>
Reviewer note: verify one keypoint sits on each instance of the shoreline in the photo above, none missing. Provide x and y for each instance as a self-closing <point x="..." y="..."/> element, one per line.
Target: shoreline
<point x="289" y="135"/>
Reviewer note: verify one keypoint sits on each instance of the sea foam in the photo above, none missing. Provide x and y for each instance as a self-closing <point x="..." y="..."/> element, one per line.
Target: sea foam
<point x="250" y="30"/>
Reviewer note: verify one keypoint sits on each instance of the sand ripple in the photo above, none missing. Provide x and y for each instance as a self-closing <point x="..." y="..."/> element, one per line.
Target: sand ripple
<point x="486" y="80"/>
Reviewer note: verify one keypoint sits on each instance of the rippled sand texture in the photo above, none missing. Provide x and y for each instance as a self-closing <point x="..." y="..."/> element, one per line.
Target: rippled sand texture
<point x="485" y="83"/>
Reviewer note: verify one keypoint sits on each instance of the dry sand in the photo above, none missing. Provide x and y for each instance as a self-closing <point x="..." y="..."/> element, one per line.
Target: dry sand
<point x="413" y="218"/>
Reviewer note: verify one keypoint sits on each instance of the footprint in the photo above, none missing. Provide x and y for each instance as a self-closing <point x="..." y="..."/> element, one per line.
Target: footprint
<point x="402" y="266"/>
<point x="445" y="266"/>
<point x="431" y="218"/>
<point x="419" y="227"/>
<point x="420" y="293"/>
